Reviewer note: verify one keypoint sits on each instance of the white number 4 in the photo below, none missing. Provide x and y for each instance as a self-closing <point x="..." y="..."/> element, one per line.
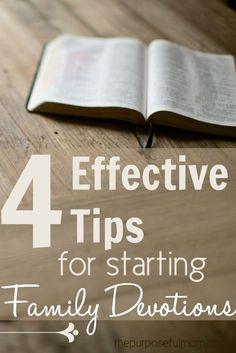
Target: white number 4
<point x="37" y="171"/>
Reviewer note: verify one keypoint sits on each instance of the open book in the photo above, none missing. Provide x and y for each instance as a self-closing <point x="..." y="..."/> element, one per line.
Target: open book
<point x="121" y="78"/>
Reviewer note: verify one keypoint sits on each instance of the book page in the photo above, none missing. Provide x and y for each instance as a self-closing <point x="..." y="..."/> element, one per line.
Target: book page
<point x="93" y="72"/>
<point x="191" y="83"/>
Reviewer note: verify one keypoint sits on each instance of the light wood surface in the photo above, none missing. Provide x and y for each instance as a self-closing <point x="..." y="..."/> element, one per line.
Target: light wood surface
<point x="25" y="25"/>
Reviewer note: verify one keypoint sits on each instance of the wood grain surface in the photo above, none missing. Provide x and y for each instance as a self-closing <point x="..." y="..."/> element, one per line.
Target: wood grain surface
<point x="25" y="25"/>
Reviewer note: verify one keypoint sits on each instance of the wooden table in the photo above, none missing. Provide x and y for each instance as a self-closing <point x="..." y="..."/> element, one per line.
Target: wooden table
<point x="25" y="25"/>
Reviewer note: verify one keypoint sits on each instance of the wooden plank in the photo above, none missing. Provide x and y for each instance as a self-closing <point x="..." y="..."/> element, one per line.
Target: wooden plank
<point x="112" y="18"/>
<point x="197" y="24"/>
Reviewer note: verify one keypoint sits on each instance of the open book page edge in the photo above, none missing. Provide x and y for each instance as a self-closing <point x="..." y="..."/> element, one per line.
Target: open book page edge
<point x="179" y="113"/>
<point x="115" y="113"/>
<point x="175" y="120"/>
